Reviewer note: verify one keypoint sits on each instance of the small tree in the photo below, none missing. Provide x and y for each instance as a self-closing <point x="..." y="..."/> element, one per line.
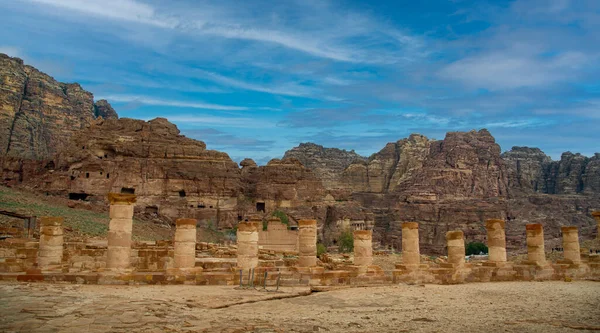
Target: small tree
<point x="346" y="241"/>
<point x="476" y="248"/>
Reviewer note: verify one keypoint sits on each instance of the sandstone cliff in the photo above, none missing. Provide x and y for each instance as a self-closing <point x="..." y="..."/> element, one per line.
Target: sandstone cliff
<point x="171" y="174"/>
<point x="531" y="171"/>
<point x="38" y="115"/>
<point x="327" y="163"/>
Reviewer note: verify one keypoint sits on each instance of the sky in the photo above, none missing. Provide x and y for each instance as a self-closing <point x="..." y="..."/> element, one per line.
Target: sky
<point x="256" y="78"/>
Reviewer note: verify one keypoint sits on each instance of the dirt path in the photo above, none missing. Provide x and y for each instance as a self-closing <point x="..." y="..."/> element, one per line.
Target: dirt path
<point x="485" y="307"/>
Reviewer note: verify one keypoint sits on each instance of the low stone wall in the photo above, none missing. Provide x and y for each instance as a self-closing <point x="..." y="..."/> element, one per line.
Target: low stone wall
<point x="277" y="237"/>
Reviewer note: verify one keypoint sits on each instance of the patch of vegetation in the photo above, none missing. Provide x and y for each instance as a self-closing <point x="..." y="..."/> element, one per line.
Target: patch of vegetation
<point x="321" y="249"/>
<point x="282" y="216"/>
<point x="476" y="248"/>
<point x="346" y="241"/>
<point x="87" y="222"/>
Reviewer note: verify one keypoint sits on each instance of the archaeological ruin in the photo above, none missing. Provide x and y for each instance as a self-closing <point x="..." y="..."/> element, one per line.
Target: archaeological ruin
<point x="265" y="260"/>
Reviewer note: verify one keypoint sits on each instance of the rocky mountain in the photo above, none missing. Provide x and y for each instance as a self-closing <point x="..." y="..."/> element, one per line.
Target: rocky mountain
<point x="531" y="171"/>
<point x="327" y="163"/>
<point x="55" y="140"/>
<point x="39" y="114"/>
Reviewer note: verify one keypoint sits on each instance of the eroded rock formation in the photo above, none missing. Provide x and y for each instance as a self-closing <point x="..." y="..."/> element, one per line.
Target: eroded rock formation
<point x="530" y="170"/>
<point x="38" y="114"/>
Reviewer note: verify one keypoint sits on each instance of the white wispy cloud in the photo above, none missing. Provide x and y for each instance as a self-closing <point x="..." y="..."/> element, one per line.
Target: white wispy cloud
<point x="334" y="38"/>
<point x="128" y="10"/>
<point x="216" y="121"/>
<point x="163" y="102"/>
<point x="504" y="70"/>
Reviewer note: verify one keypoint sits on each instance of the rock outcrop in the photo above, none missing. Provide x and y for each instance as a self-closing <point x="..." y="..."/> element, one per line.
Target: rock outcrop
<point x="38" y="114"/>
<point x="531" y="171"/>
<point x="103" y="109"/>
<point x="389" y="167"/>
<point x="327" y="163"/>
<point x="172" y="175"/>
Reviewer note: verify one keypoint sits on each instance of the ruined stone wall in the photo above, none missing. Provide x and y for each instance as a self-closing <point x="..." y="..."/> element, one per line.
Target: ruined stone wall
<point x="278" y="237"/>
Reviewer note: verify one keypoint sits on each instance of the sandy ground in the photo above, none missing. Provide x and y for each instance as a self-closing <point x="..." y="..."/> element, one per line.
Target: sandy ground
<point x="475" y="307"/>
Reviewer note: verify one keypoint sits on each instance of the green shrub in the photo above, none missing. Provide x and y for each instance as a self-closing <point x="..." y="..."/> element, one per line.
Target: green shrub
<point x="476" y="248"/>
<point x="321" y="249"/>
<point x="346" y="241"/>
<point x="282" y="216"/>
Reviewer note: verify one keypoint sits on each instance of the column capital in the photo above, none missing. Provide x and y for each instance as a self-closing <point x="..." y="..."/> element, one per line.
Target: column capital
<point x="121" y="198"/>
<point x="51" y="221"/>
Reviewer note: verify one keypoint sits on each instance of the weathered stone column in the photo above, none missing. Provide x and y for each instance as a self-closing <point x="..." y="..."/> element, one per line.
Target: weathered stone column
<point x="535" y="244"/>
<point x="571" y="249"/>
<point x="596" y="215"/>
<point x="363" y="247"/>
<point x="456" y="247"/>
<point x="51" y="242"/>
<point x="410" y="244"/>
<point x="307" y="243"/>
<point x="119" y="230"/>
<point x="496" y="240"/>
<point x="185" y="243"/>
<point x="247" y="242"/>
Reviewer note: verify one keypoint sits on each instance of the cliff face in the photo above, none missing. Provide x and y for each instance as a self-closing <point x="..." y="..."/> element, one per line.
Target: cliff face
<point x="327" y="163"/>
<point x="38" y="114"/>
<point x="531" y="171"/>
<point x="171" y="174"/>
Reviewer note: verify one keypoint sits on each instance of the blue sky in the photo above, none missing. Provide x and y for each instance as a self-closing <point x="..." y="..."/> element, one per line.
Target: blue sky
<point x="255" y="78"/>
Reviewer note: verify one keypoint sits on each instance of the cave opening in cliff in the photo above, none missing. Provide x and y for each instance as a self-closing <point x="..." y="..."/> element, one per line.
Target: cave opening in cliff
<point x="182" y="193"/>
<point x="260" y="207"/>
<point x="87" y="175"/>
<point x="78" y="196"/>
<point x="151" y="210"/>
<point x="127" y="190"/>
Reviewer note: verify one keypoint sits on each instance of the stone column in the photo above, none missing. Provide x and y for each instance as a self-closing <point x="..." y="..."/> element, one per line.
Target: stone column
<point x="307" y="243"/>
<point x="410" y="244"/>
<point x="596" y="215"/>
<point x="496" y="240"/>
<point x="119" y="230"/>
<point x="535" y="244"/>
<point x="51" y="242"/>
<point x="456" y="247"/>
<point x="571" y="250"/>
<point x="363" y="247"/>
<point x="185" y="243"/>
<point x="247" y="241"/>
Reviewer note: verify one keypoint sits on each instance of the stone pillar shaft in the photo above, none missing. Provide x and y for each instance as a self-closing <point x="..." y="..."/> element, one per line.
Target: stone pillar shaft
<point x="496" y="240"/>
<point x="119" y="230"/>
<point x="596" y="216"/>
<point x="456" y="247"/>
<point x="410" y="244"/>
<point x="51" y="242"/>
<point x="535" y="243"/>
<point x="247" y="241"/>
<point x="571" y="249"/>
<point x="307" y="243"/>
<point x="363" y="247"/>
<point x="185" y="243"/>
